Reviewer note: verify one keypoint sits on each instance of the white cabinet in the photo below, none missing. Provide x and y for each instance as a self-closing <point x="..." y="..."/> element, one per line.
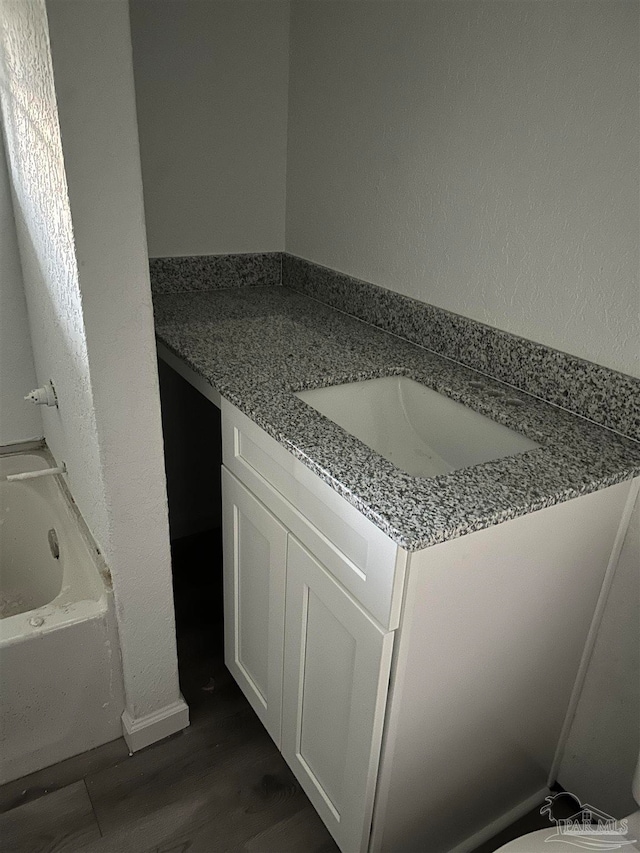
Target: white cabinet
<point x="255" y="552"/>
<point x="311" y="661"/>
<point x="489" y="635"/>
<point x="336" y="676"/>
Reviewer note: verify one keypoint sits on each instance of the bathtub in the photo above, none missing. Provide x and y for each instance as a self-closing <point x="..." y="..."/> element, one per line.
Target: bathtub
<point x="60" y="674"/>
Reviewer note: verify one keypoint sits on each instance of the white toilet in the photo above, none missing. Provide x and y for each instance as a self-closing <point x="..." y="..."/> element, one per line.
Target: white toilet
<point x="558" y="838"/>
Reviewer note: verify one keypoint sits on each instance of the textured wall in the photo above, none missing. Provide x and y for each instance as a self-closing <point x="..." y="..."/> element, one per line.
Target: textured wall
<point x="19" y="421"/>
<point x="482" y="157"/>
<point x="211" y="86"/>
<point x="45" y="235"/>
<point x="75" y="165"/>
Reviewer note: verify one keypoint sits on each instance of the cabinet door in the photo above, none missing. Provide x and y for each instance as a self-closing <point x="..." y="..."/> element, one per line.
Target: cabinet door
<point x="255" y="550"/>
<point x="337" y="662"/>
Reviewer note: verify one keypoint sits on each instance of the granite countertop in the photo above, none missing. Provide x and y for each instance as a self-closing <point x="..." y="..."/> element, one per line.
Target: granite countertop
<point x="258" y="345"/>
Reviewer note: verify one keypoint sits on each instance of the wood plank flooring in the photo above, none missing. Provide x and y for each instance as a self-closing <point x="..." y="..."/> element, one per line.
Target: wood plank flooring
<point x="60" y="821"/>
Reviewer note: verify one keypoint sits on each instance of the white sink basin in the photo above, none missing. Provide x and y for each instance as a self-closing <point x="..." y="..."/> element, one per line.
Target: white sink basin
<point x="420" y="431"/>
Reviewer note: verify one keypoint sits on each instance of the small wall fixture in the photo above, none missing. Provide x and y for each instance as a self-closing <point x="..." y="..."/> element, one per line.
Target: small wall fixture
<point x="45" y="396"/>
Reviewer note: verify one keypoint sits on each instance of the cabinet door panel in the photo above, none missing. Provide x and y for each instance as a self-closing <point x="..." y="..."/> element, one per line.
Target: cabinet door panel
<point x="255" y="546"/>
<point x="337" y="663"/>
<point x="329" y="659"/>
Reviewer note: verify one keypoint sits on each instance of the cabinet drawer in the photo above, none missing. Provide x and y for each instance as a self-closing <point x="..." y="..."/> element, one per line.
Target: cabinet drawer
<point x="365" y="561"/>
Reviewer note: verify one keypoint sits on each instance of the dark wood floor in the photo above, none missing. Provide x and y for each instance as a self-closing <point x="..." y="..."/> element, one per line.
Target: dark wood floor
<point x="219" y="786"/>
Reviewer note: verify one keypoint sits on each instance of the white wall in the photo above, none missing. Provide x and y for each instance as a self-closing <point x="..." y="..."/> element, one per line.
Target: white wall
<point x="211" y="87"/>
<point x="74" y="158"/>
<point x="479" y="156"/>
<point x="91" y="43"/>
<point x="19" y="421"/>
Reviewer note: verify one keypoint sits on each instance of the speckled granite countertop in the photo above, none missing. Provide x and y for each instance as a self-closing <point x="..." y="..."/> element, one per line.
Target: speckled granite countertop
<point x="258" y="345"/>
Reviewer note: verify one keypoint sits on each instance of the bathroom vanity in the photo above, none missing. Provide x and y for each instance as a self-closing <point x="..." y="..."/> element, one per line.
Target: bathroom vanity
<point x="413" y="642"/>
<point x="467" y="684"/>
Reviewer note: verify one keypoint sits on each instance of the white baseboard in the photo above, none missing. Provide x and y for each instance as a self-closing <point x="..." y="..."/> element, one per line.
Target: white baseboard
<point x="502" y="822"/>
<point x="143" y="731"/>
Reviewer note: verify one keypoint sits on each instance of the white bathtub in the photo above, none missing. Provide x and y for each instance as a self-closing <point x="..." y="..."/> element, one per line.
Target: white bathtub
<point x="60" y="675"/>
